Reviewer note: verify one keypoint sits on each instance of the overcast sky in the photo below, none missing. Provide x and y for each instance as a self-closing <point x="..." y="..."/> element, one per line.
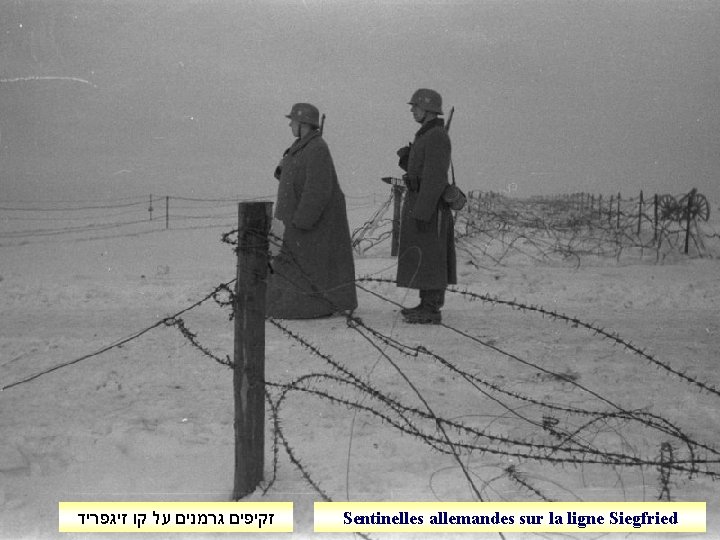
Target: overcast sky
<point x="553" y="96"/>
<point x="550" y="96"/>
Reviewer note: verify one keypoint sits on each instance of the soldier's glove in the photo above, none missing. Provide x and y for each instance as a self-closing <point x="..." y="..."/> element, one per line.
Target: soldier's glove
<point x="422" y="226"/>
<point x="404" y="153"/>
<point x="412" y="182"/>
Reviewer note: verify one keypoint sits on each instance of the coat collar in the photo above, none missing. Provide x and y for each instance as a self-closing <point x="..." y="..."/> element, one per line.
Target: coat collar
<point x="429" y="125"/>
<point x="301" y="143"/>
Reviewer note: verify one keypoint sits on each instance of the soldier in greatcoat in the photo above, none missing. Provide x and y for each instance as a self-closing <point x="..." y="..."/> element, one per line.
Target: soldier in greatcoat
<point x="314" y="272"/>
<point x="426" y="252"/>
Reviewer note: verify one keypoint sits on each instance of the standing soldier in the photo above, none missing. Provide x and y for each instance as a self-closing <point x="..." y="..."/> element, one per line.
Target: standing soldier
<point x="426" y="254"/>
<point x="314" y="272"/>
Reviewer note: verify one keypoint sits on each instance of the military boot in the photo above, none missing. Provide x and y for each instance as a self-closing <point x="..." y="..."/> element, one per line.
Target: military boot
<point x="408" y="310"/>
<point x="424" y="315"/>
<point x="428" y="312"/>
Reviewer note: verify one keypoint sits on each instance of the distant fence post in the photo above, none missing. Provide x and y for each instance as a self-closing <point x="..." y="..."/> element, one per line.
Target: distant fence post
<point x="690" y="204"/>
<point x="397" y="193"/>
<point x="610" y="208"/>
<point x="655" y="218"/>
<point x="254" y="220"/>
<point x="640" y="210"/>
<point x="150" y="208"/>
<point x="617" y="223"/>
<point x="167" y="211"/>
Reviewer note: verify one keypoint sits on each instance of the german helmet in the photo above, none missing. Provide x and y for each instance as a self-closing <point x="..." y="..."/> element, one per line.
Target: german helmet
<point x="428" y="100"/>
<point x="305" y="113"/>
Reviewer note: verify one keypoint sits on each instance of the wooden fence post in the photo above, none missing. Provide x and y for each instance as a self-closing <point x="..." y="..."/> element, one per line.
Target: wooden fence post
<point x="167" y="211"/>
<point x="150" y="208"/>
<point x="254" y="220"/>
<point x="690" y="203"/>
<point x="617" y="224"/>
<point x="640" y="209"/>
<point x="610" y="207"/>
<point x="655" y="218"/>
<point x="397" y="193"/>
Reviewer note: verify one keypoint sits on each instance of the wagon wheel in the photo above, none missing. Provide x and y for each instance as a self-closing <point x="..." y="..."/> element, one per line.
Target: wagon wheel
<point x="699" y="209"/>
<point x="667" y="207"/>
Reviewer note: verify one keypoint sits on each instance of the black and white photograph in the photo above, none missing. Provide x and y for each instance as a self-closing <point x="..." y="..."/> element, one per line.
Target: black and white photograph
<point x="311" y="251"/>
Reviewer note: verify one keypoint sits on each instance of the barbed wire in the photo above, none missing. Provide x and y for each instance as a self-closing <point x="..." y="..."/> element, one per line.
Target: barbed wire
<point x="156" y="229"/>
<point x="690" y="466"/>
<point x="494" y="227"/>
<point x="558" y="439"/>
<point x="70" y="208"/>
<point x="104" y="200"/>
<point x="666" y="455"/>
<point x="167" y="321"/>
<point x="575" y="323"/>
<point x="126" y="202"/>
<point x="538" y="451"/>
<point x="642" y="416"/>
<point x="36" y="233"/>
<point x="71" y="218"/>
<point x="560" y="226"/>
<point x="179" y="323"/>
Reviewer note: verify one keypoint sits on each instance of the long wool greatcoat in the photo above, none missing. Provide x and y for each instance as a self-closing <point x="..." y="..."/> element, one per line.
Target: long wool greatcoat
<point x="426" y="258"/>
<point x="314" y="272"/>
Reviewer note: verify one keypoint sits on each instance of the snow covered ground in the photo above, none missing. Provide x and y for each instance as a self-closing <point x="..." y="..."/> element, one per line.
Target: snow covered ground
<point x="539" y="406"/>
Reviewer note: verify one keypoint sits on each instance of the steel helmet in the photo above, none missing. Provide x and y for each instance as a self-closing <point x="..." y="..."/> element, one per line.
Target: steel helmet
<point x="428" y="100"/>
<point x="305" y="113"/>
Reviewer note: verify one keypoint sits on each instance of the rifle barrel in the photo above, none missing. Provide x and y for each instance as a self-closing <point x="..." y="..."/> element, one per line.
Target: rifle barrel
<point x="449" y="120"/>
